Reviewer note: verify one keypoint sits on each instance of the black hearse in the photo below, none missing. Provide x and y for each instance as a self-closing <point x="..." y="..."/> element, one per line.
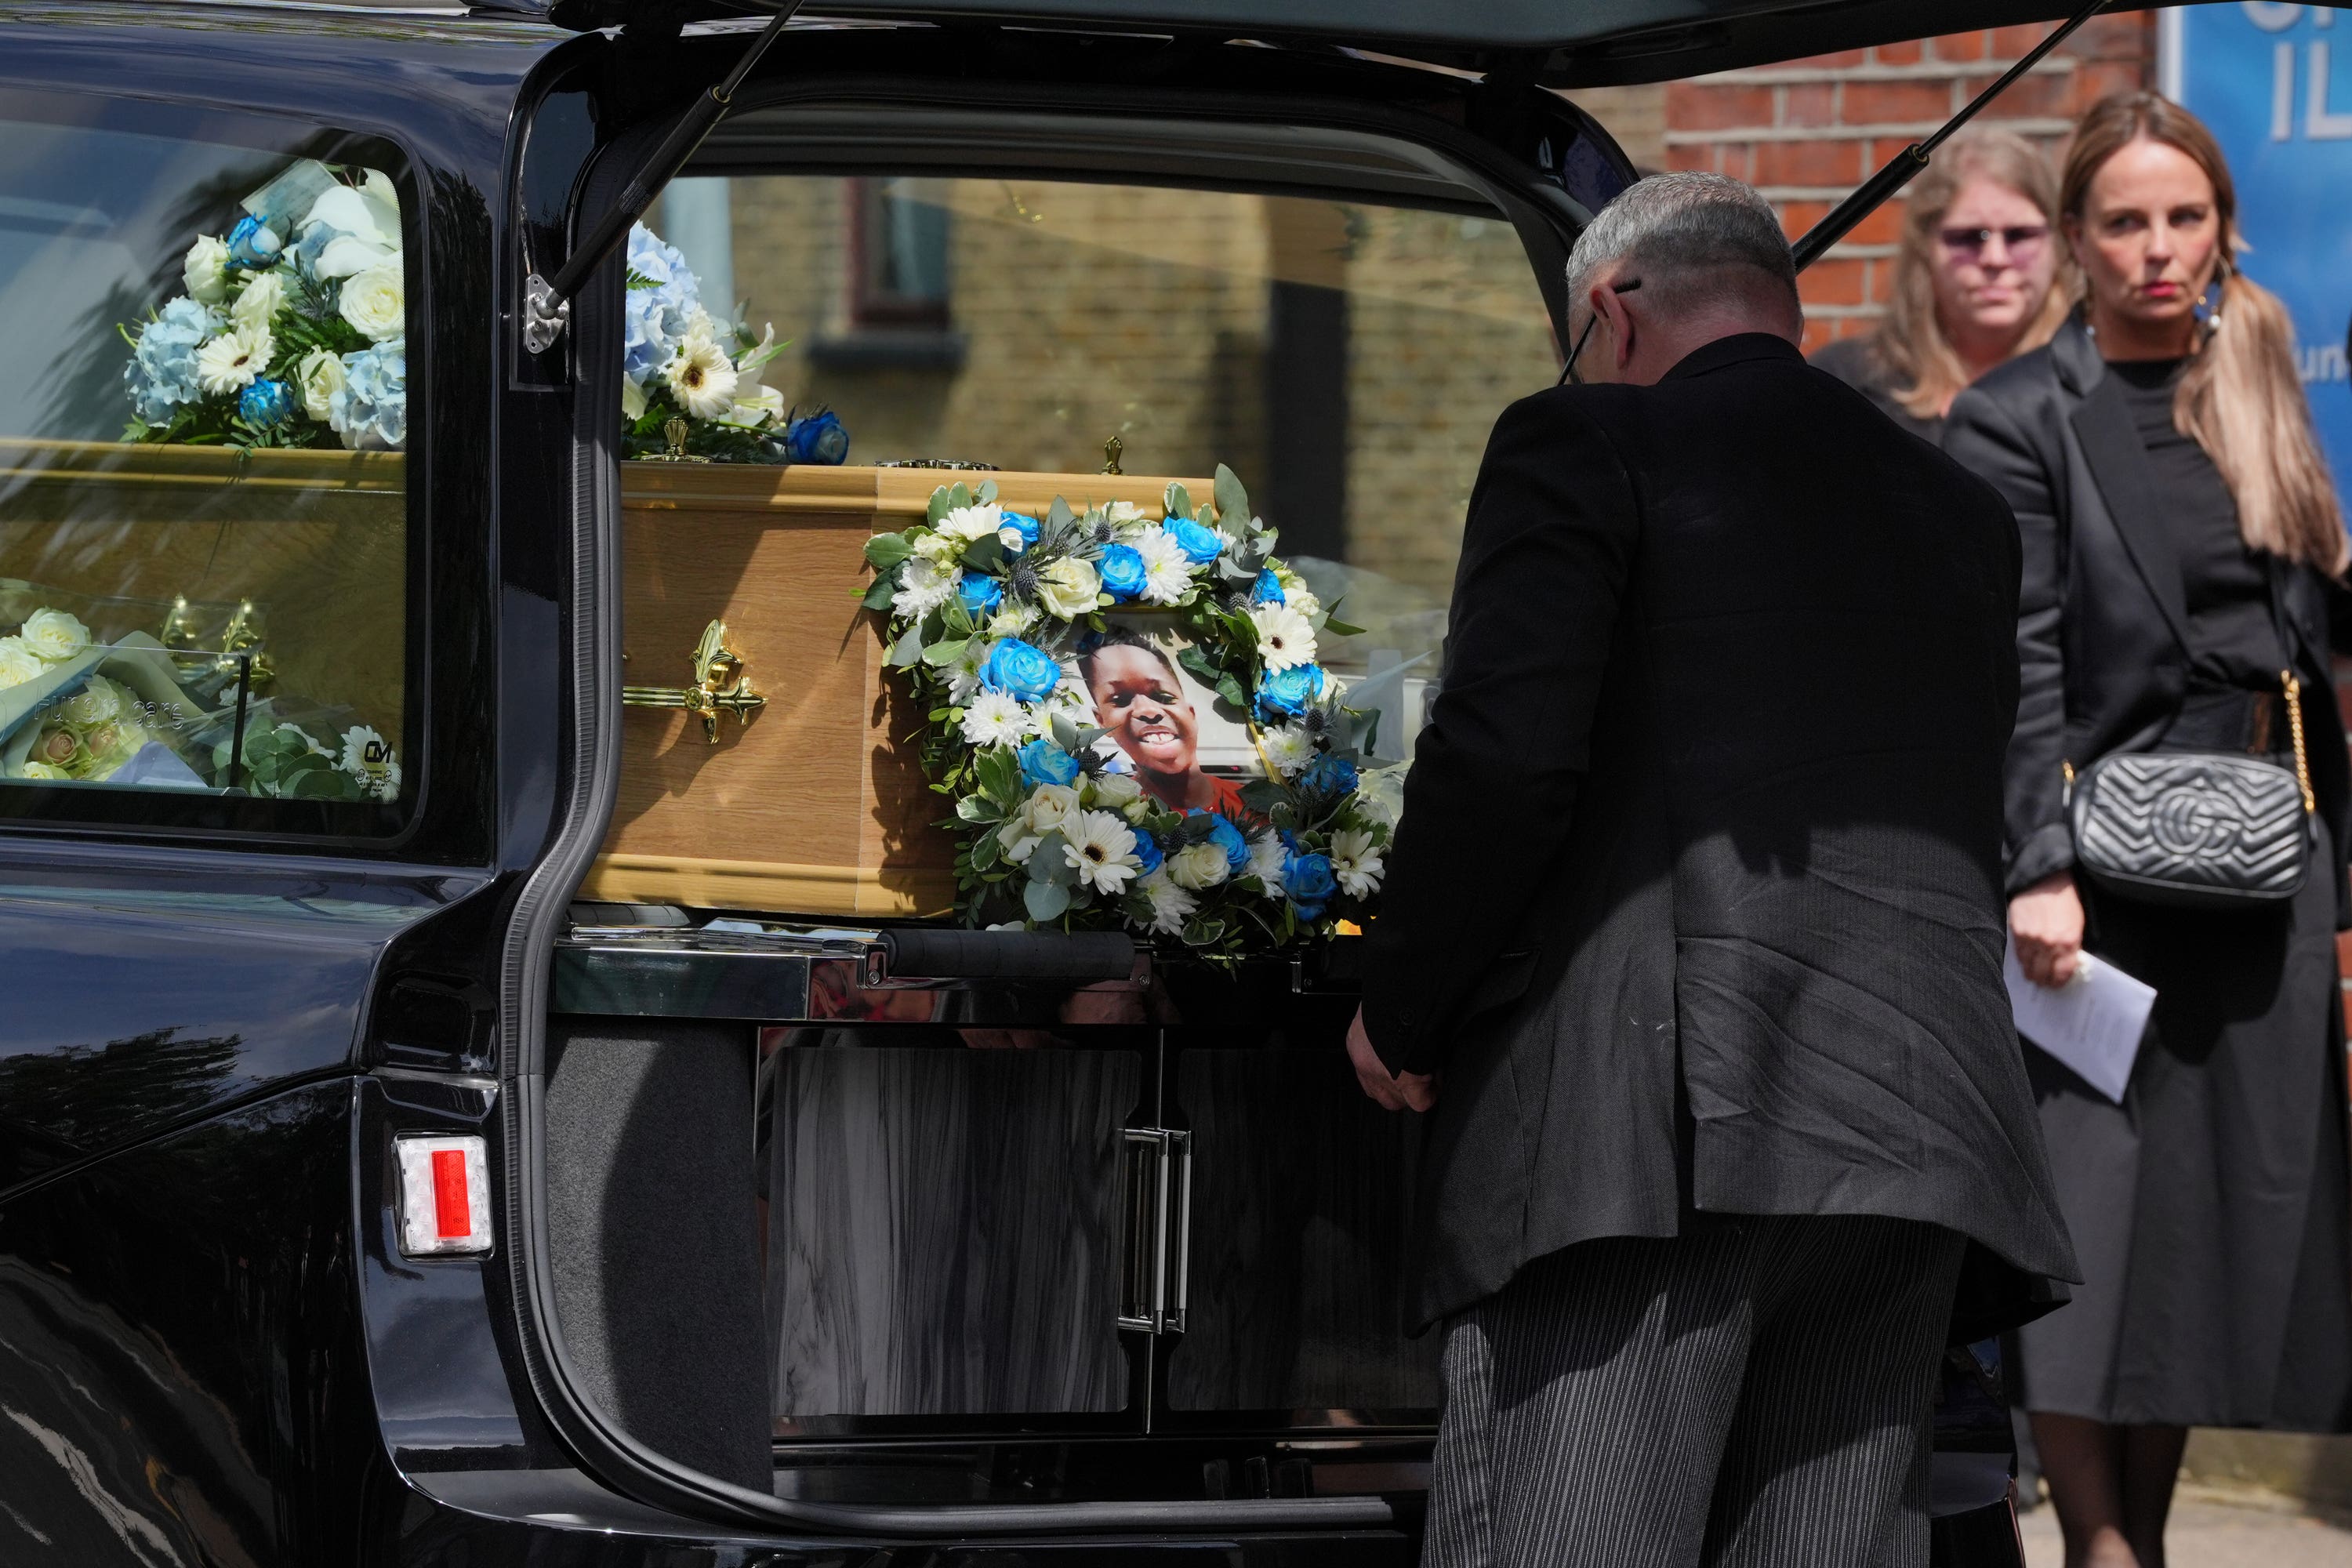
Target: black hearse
<point x="366" y="1196"/>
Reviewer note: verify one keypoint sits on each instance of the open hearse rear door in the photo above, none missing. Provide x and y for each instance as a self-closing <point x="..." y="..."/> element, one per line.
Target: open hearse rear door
<point x="834" y="1208"/>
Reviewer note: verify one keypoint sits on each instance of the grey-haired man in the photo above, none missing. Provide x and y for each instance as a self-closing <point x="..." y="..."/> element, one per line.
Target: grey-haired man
<point x="1691" y="945"/>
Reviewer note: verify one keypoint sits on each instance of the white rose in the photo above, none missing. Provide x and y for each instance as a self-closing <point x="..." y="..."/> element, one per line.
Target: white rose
<point x="375" y="300"/>
<point x="1198" y="866"/>
<point x="1049" y="808"/>
<point x="1069" y="587"/>
<point x="43" y="771"/>
<point x="1114" y="792"/>
<point x="264" y="297"/>
<point x="205" y="271"/>
<point x="99" y="702"/>
<point x="320" y="376"/>
<point x="18" y="664"/>
<point x="54" y="635"/>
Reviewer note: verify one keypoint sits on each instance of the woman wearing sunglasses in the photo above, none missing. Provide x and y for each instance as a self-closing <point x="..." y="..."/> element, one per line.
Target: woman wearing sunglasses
<point x="1972" y="280"/>
<point x="2182" y="556"/>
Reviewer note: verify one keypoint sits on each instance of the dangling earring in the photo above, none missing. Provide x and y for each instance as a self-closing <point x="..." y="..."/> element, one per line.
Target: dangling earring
<point x="2208" y="303"/>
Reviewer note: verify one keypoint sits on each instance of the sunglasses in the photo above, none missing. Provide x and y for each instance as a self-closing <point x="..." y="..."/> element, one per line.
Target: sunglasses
<point x="1568" y="370"/>
<point x="2019" y="240"/>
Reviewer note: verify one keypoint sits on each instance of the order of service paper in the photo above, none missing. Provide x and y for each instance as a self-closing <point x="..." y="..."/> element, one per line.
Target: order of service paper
<point x="2093" y="1023"/>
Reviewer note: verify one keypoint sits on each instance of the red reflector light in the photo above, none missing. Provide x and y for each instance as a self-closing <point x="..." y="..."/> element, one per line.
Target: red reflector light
<point x="450" y="1214"/>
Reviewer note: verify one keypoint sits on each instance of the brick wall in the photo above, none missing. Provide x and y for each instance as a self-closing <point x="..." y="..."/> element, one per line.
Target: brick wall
<point x="1806" y="132"/>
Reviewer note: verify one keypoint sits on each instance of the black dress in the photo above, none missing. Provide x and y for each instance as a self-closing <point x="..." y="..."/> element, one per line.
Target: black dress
<point x="1860" y="364"/>
<point x="2209" y="1210"/>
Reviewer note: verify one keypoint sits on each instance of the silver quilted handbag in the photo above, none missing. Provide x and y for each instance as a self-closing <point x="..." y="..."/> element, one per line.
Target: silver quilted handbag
<point x="2202" y="829"/>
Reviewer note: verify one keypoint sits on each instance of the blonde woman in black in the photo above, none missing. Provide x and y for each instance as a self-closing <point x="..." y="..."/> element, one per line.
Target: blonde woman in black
<point x="2182" y="555"/>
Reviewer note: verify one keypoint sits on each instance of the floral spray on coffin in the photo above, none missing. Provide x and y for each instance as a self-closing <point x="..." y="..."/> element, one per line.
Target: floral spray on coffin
<point x="1062" y="663"/>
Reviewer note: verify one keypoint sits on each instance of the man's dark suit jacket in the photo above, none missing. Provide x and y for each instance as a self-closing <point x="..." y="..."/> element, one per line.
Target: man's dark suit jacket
<point x="1696" y="901"/>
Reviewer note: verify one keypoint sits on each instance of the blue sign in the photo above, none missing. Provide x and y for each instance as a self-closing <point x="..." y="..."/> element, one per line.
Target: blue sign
<point x="2274" y="83"/>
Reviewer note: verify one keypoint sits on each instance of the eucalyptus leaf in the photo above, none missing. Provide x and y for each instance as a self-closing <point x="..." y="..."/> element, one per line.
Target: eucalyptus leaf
<point x="885" y="550"/>
<point x="1231" y="689"/>
<point x="939" y="507"/>
<point x="1066" y="733"/>
<point x="1178" y="500"/>
<point x="1262" y="796"/>
<point x="987" y="492"/>
<point x="955" y="619"/>
<point x="878" y="594"/>
<point x="1060" y="516"/>
<point x="1045" y="900"/>
<point x="958" y="496"/>
<point x="908" y="651"/>
<point x="985" y="553"/>
<point x="1233" y="500"/>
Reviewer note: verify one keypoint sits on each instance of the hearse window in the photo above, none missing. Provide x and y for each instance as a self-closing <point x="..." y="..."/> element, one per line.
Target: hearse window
<point x="203" y="431"/>
<point x="1345" y="357"/>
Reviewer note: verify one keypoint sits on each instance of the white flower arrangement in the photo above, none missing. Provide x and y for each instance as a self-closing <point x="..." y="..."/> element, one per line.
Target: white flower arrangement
<point x="984" y="603"/>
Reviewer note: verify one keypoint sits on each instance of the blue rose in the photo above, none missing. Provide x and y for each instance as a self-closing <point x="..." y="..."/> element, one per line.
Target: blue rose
<point x="979" y="592"/>
<point x="1147" y="853"/>
<point x="1328" y="775"/>
<point x="819" y="438"/>
<point x="1044" y="762"/>
<point x="1022" y="524"/>
<point x="1307" y="881"/>
<point x="1023" y="671"/>
<point x="1225" y="836"/>
<point x="253" y="243"/>
<point x="1122" y="571"/>
<point x="265" y="402"/>
<point x="1201" y="546"/>
<point x="1286" y="693"/>
<point x="1267" y="589"/>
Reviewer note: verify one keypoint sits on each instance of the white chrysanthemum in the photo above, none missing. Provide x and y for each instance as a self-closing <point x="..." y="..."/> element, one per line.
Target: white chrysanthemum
<point x="1289" y="750"/>
<point x="1012" y="621"/>
<point x="964" y="675"/>
<point x="1113" y="792"/>
<point x="229" y="362"/>
<point x="701" y="377"/>
<point x="993" y="719"/>
<point x="18" y="664"/>
<point x="1167" y="573"/>
<point x="1069" y="587"/>
<point x="1198" y="866"/>
<point x="1101" y="850"/>
<point x="1172" y="906"/>
<point x="966" y="523"/>
<point x="1355" y="861"/>
<point x="54" y="635"/>
<point x="924" y="586"/>
<point x="205" y="271"/>
<point x="319" y="377"/>
<point x="259" y="305"/>
<point x="1285" y="636"/>
<point x="1266" y="853"/>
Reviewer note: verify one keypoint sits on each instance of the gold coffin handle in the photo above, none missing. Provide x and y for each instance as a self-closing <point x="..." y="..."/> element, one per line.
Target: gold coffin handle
<point x="718" y="686"/>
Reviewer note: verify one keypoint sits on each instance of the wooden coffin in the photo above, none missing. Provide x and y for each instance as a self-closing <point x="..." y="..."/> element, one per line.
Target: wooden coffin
<point x="813" y="806"/>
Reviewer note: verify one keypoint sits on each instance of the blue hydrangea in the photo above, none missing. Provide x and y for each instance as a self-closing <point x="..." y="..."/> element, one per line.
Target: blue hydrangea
<point x="1123" y="572"/>
<point x="1044" y="762"/>
<point x="1328" y="775"/>
<point x="371" y="407"/>
<point x="979" y="592"/>
<point x="1201" y="546"/>
<point x="161" y="373"/>
<point x="265" y="402"/>
<point x="655" y="316"/>
<point x="1288" y="693"/>
<point x="1148" y="853"/>
<point x="1267" y="589"/>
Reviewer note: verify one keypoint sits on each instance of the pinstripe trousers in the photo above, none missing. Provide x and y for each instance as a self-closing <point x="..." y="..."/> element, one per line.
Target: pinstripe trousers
<point x="1756" y="1392"/>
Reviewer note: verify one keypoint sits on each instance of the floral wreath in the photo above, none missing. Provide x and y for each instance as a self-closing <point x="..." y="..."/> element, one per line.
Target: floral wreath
<point x="1054" y="829"/>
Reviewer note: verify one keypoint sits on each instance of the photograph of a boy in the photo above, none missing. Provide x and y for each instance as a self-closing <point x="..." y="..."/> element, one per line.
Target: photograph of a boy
<point x="1146" y="705"/>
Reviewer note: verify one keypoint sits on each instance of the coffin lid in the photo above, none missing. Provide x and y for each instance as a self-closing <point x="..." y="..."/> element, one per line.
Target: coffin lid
<point x="1558" y="42"/>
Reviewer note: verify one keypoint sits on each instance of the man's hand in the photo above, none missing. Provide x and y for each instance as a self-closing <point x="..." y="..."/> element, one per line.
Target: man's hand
<point x="1389" y="1092"/>
<point x="2047" y="921"/>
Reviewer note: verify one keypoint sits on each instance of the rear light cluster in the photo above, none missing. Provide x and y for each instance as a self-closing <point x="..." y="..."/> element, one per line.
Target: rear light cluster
<point x="444" y="1195"/>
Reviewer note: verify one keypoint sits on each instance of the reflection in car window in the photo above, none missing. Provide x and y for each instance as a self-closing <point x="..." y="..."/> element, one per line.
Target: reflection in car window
<point x="1346" y="358"/>
<point x="203" y="517"/>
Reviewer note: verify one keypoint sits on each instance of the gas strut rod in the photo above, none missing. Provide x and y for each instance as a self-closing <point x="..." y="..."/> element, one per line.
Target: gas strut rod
<point x="547" y="301"/>
<point x="1900" y="169"/>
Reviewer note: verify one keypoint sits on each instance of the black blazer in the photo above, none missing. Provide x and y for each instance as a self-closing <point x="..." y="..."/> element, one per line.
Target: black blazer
<point x="2103" y="626"/>
<point x="1696" y="898"/>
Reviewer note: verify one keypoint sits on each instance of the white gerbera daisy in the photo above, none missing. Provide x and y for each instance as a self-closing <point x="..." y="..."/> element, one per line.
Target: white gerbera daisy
<point x="1355" y="861"/>
<point x="1167" y="571"/>
<point x="1266" y="853"/>
<point x="966" y="523"/>
<point x="367" y="756"/>
<point x="1172" y="906"/>
<point x="232" y="360"/>
<point x="701" y="377"/>
<point x="1101" y="850"/>
<point x="1198" y="866"/>
<point x="1285" y="638"/>
<point x="995" y="718"/>
<point x="1289" y="750"/>
<point x="923" y="586"/>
